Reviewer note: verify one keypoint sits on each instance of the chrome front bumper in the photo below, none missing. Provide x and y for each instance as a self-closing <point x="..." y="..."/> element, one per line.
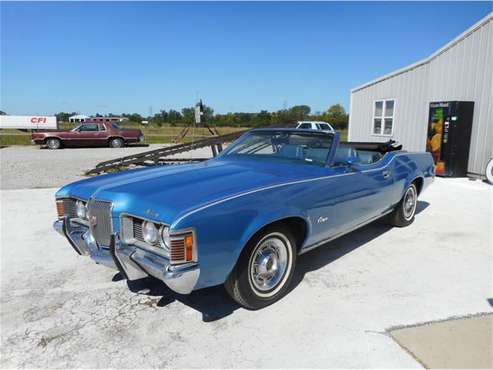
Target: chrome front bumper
<point x="133" y="262"/>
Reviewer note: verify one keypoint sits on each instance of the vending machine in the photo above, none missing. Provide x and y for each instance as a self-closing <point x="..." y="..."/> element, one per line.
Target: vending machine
<point x="449" y="136"/>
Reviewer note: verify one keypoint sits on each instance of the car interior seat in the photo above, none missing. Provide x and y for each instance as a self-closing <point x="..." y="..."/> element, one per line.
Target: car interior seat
<point x="345" y="154"/>
<point x="292" y="151"/>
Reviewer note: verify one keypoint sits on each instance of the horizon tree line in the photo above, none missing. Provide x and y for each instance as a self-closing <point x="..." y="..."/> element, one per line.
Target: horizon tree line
<point x="336" y="115"/>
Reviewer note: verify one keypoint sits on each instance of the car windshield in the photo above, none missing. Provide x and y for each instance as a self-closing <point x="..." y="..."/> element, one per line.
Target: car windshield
<point x="116" y="126"/>
<point x="300" y="147"/>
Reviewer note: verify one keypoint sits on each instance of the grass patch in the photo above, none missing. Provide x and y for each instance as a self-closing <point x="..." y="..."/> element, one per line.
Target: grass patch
<point x="15" y="139"/>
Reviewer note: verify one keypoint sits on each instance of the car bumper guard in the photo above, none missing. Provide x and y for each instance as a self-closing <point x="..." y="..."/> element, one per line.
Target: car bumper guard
<point x="132" y="262"/>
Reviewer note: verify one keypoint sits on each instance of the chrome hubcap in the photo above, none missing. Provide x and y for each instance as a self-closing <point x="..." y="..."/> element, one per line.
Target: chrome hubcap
<point x="268" y="264"/>
<point x="409" y="205"/>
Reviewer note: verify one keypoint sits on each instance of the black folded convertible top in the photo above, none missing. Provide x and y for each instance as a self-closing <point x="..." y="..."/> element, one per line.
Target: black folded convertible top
<point x="385" y="147"/>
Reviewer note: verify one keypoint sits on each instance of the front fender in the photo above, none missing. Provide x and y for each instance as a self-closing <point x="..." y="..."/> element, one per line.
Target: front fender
<point x="224" y="229"/>
<point x="267" y="218"/>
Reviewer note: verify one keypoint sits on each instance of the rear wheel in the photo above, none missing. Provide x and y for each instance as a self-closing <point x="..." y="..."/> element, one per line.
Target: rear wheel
<point x="116" y="143"/>
<point x="53" y="143"/>
<point x="403" y="214"/>
<point x="264" y="270"/>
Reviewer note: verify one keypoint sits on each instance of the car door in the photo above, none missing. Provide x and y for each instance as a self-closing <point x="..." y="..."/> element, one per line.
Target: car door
<point x="352" y="195"/>
<point x="87" y="135"/>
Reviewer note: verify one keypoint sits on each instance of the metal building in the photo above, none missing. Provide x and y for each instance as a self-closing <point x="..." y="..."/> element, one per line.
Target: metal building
<point x="397" y="105"/>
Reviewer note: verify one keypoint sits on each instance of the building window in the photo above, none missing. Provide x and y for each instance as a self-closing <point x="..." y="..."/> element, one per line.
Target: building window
<point x="383" y="117"/>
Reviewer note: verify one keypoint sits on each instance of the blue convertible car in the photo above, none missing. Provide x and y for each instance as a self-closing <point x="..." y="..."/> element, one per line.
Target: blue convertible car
<point x="241" y="218"/>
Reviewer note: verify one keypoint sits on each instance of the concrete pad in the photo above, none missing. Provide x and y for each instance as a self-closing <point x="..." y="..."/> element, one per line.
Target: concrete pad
<point x="60" y="310"/>
<point x="453" y="344"/>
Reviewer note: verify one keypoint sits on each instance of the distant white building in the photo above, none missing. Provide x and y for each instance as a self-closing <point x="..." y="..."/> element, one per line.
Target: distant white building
<point x="400" y="104"/>
<point x="78" y="118"/>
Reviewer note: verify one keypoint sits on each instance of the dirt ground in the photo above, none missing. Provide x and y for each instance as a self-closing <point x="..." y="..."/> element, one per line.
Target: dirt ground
<point x="27" y="167"/>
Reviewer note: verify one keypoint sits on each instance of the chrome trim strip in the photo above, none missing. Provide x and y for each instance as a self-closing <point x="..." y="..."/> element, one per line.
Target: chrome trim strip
<point x="143" y="218"/>
<point x="72" y="197"/>
<point x="80" y="221"/>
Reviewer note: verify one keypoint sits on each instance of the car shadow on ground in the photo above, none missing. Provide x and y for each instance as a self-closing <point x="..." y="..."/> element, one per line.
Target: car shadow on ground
<point x="214" y="303"/>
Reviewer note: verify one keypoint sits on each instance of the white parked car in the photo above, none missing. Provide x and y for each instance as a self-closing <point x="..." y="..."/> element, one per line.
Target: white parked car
<point x="315" y="125"/>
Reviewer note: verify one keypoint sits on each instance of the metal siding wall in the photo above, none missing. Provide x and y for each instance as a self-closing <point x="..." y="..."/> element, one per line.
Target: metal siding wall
<point x="463" y="72"/>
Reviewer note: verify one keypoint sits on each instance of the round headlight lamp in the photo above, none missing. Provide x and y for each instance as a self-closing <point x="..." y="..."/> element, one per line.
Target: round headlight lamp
<point x="150" y="232"/>
<point x="81" y="210"/>
<point x="164" y="237"/>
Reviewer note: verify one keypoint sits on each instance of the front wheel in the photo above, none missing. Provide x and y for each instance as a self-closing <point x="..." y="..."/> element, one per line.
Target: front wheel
<point x="53" y="143"/>
<point x="265" y="269"/>
<point x="403" y="214"/>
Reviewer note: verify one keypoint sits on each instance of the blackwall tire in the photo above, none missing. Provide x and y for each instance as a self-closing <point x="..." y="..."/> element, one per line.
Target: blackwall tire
<point x="489" y="171"/>
<point x="264" y="270"/>
<point x="403" y="214"/>
<point x="116" y="143"/>
<point x="53" y="143"/>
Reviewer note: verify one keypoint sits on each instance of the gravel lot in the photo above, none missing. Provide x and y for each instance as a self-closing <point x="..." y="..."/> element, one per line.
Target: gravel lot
<point x="60" y="310"/>
<point x="27" y="167"/>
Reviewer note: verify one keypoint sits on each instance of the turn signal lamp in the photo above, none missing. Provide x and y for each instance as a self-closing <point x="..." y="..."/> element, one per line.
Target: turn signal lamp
<point x="60" y="208"/>
<point x="189" y="247"/>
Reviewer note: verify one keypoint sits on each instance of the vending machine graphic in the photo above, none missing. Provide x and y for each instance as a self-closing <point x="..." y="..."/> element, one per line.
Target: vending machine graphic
<point x="449" y="136"/>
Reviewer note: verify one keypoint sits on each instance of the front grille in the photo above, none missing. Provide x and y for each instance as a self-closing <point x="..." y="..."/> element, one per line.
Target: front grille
<point x="99" y="214"/>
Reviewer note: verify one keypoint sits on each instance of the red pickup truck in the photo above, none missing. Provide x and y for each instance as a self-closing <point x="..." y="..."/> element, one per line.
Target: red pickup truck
<point x="89" y="134"/>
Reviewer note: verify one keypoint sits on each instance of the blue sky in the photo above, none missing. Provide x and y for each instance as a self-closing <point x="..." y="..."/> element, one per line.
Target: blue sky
<point x="129" y="57"/>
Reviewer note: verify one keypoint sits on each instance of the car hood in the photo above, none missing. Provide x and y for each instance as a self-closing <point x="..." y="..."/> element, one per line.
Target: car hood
<point x="165" y="193"/>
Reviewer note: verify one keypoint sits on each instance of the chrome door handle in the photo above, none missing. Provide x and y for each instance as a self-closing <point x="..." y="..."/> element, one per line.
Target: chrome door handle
<point x="386" y="174"/>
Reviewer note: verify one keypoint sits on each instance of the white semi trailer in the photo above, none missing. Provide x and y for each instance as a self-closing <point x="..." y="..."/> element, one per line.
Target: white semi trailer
<point x="28" y="122"/>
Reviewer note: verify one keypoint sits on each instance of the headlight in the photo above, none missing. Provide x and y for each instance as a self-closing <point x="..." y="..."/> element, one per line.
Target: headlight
<point x="164" y="237"/>
<point x="150" y="232"/>
<point x="81" y="210"/>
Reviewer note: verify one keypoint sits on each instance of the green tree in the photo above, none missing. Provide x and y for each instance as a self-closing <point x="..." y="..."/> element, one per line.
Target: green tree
<point x="174" y="116"/>
<point x="208" y="114"/>
<point x="63" y="116"/>
<point x="336" y="115"/>
<point x="299" y="112"/>
<point x="134" y="117"/>
<point x="188" y="115"/>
